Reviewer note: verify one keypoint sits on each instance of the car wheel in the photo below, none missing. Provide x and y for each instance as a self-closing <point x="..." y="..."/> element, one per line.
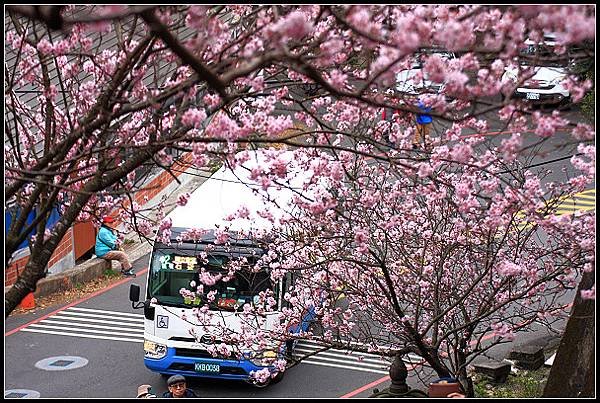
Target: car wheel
<point x="567" y="104"/>
<point x="278" y="377"/>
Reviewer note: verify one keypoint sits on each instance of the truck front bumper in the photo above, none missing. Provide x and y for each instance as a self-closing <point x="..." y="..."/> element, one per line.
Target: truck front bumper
<point x="183" y="362"/>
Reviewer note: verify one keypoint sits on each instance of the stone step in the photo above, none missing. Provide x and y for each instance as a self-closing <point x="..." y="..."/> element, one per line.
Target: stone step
<point x="528" y="357"/>
<point x="497" y="371"/>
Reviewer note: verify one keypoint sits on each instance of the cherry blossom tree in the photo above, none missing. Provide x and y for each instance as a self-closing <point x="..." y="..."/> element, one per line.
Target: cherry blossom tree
<point x="431" y="248"/>
<point x="432" y="256"/>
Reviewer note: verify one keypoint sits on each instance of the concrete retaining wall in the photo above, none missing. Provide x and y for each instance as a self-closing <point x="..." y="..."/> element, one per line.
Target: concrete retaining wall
<point x="87" y="271"/>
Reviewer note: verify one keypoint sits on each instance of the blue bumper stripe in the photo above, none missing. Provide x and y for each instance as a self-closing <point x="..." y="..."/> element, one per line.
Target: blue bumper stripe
<point x="172" y="364"/>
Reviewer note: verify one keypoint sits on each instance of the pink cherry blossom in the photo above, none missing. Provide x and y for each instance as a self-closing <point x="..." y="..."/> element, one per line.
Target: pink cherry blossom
<point x="193" y="117"/>
<point x="183" y="199"/>
<point x="45" y="47"/>
<point x="295" y="25"/>
<point x="589" y="294"/>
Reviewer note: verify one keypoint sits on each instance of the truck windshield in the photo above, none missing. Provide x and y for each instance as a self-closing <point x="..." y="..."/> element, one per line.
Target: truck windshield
<point x="172" y="270"/>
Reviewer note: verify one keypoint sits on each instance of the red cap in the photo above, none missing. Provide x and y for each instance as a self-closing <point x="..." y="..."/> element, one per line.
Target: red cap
<point x="107" y="219"/>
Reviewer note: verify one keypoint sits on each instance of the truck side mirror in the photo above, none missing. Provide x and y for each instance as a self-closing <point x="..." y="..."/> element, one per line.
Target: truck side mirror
<point x="134" y="293"/>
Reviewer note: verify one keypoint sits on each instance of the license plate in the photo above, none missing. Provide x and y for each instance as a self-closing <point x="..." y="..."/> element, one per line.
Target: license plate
<point x="206" y="367"/>
<point x="532" y="95"/>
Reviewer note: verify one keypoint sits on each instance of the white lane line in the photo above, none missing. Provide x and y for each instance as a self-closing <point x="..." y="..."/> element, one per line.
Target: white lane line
<point x="91" y="315"/>
<point x="84" y="325"/>
<point x="37" y="325"/>
<point x="312" y="362"/>
<point x="88" y="336"/>
<point x="110" y="322"/>
<point x="350" y="344"/>
<point x="345" y="360"/>
<point x="346" y="357"/>
<point x="410" y="358"/>
<point x="308" y="344"/>
<point x="133" y="315"/>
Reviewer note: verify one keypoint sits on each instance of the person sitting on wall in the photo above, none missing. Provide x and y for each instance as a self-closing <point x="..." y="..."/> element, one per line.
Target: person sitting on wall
<point x="106" y="246"/>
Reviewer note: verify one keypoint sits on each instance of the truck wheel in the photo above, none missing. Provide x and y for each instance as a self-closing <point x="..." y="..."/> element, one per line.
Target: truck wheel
<point x="261" y="385"/>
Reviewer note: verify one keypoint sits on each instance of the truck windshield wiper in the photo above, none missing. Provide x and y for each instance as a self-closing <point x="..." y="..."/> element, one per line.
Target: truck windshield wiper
<point x="175" y="304"/>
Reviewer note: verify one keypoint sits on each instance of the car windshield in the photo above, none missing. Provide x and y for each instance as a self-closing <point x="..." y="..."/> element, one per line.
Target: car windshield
<point x="420" y="56"/>
<point x="539" y="55"/>
<point x="171" y="270"/>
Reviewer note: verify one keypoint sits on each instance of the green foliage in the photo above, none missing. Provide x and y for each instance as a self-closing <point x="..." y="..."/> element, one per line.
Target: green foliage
<point x="584" y="69"/>
<point x="108" y="273"/>
<point x="588" y="103"/>
<point x="523" y="385"/>
<point x="214" y="166"/>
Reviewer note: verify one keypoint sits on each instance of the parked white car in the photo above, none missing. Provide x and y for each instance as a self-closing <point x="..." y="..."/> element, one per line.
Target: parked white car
<point x="545" y="86"/>
<point x="547" y="83"/>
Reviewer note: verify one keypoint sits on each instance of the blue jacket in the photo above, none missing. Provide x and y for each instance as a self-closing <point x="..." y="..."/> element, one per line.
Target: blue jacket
<point x="106" y="241"/>
<point x="188" y="393"/>
<point x="424" y="117"/>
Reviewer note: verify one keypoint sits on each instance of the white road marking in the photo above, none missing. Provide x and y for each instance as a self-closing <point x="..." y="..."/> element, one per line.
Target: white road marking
<point x="85" y="336"/>
<point x="121" y="333"/>
<point x="110" y="322"/>
<point x="88" y="325"/>
<point x="133" y="315"/>
<point x="344" y="360"/>
<point x="91" y="315"/>
<point x="353" y="368"/>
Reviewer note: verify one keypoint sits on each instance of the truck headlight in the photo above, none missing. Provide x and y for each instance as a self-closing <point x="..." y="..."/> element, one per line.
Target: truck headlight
<point x="264" y="359"/>
<point x="154" y="350"/>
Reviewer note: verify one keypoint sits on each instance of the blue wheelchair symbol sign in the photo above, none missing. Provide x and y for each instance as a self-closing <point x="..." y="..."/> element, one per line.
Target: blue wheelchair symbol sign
<point x="162" y="321"/>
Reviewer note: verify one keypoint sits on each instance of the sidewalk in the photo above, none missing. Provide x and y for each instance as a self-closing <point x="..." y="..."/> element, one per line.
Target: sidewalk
<point x="95" y="267"/>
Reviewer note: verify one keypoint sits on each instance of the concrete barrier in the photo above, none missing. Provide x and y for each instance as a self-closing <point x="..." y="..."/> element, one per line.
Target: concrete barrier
<point x="497" y="371"/>
<point x="87" y="271"/>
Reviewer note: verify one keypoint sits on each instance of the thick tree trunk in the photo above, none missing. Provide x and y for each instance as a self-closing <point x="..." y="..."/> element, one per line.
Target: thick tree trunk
<point x="35" y="269"/>
<point x="435" y="362"/>
<point x="572" y="374"/>
<point x="25" y="284"/>
<point x="462" y="376"/>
